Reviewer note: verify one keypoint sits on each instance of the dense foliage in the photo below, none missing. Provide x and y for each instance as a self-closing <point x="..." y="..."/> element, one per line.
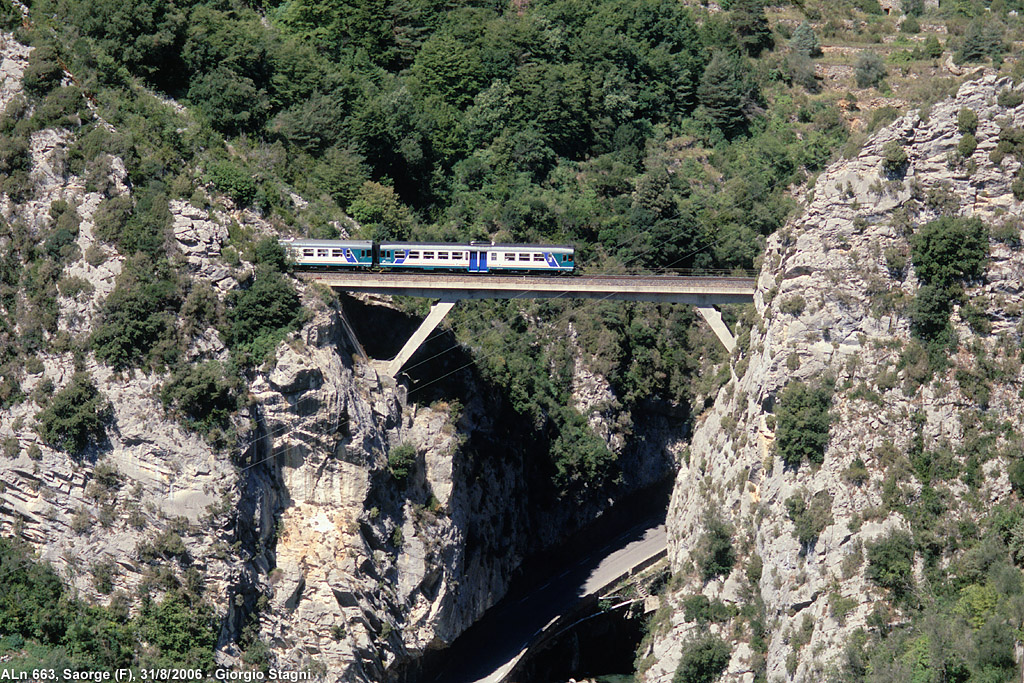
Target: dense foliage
<point x="76" y="416"/>
<point x="178" y="631"/>
<point x="802" y="422"/>
<point x="703" y="660"/>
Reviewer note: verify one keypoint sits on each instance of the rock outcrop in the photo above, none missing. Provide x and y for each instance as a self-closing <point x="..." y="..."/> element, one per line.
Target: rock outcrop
<point x="832" y="300"/>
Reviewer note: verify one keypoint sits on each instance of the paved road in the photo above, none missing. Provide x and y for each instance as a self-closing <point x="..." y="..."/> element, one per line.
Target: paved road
<point x="492" y="646"/>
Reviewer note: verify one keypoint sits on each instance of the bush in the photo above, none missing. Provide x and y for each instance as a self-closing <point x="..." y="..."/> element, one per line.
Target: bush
<point x="809" y="517"/>
<point x="894" y="158"/>
<point x="76" y="417"/>
<point x="793" y="305"/>
<point x="1009" y="98"/>
<point x="891" y="562"/>
<point x="581" y="458"/>
<point x="715" y="555"/>
<point x="137" y="319"/>
<point x="401" y="460"/>
<point x="968" y="143"/>
<point x="803" y="423"/>
<point x="43" y="72"/>
<point x="233" y="181"/>
<point x="204" y="395"/>
<point x="869" y="69"/>
<point x="260" y="316"/>
<point x="981" y="41"/>
<point x="804" y="41"/>
<point x="700" y="609"/>
<point x="967" y="120"/>
<point x="950" y="249"/>
<point x="703" y="660"/>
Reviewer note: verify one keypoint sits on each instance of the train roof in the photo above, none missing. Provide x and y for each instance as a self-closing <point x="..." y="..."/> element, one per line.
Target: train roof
<point x="361" y="244"/>
<point x="469" y="246"/>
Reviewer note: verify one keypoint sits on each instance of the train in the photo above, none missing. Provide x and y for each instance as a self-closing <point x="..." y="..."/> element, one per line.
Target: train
<point x="474" y="257"/>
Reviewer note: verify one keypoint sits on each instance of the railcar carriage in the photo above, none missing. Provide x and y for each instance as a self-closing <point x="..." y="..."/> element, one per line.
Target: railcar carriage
<point x="330" y="253"/>
<point x="476" y="258"/>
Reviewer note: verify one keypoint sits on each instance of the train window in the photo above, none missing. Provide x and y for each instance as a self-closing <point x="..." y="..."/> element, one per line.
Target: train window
<point x="457" y="255"/>
<point x="322" y="253"/>
<point x="568" y="258"/>
<point x="538" y="257"/>
<point x="414" y="254"/>
<point x="308" y="252"/>
<point x="428" y="254"/>
<point x="337" y="253"/>
<point x="524" y="257"/>
<point x="494" y="256"/>
<point x="442" y="255"/>
<point x="510" y="257"/>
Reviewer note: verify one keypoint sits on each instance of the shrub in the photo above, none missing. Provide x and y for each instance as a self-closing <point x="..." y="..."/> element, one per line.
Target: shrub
<point x="981" y="41"/>
<point x="793" y="305"/>
<point x="1009" y="98"/>
<point x="803" y="423"/>
<point x="809" y="517"/>
<point x="43" y="72"/>
<point x="204" y="395"/>
<point x="804" y="41"/>
<point x="260" y="316"/>
<point x="894" y="158"/>
<point x="76" y="417"/>
<point x="968" y="143"/>
<point x="581" y="458"/>
<point x="715" y="555"/>
<point x="700" y="609"/>
<point x="401" y="460"/>
<point x="950" y="249"/>
<point x="703" y="660"/>
<point x="891" y="562"/>
<point x="869" y="69"/>
<point x="137" y="319"/>
<point x="182" y="631"/>
<point x="967" y="120"/>
<point x="233" y="181"/>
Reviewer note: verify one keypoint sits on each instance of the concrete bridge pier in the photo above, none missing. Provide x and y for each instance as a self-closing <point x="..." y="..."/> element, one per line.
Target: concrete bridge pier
<point x="437" y="313"/>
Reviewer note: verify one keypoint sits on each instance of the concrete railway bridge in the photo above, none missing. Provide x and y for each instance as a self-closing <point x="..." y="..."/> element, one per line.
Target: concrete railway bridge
<point x="704" y="292"/>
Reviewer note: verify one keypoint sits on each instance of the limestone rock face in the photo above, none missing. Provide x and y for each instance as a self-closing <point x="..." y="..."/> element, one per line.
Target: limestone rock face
<point x="832" y="300"/>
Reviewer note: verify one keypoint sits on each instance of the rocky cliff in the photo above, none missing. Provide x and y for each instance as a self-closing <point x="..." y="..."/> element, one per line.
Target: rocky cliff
<point x="833" y="307"/>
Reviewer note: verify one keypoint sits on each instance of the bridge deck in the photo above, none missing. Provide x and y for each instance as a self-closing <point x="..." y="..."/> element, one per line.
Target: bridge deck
<point x="700" y="291"/>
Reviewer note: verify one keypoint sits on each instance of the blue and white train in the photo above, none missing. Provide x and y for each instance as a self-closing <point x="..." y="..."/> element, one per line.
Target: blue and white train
<point x="475" y="257"/>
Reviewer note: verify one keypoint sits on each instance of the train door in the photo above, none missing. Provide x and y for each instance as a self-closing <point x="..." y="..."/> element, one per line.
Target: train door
<point x="478" y="262"/>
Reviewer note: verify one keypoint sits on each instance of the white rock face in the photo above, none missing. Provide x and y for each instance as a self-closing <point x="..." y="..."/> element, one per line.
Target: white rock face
<point x="853" y="324"/>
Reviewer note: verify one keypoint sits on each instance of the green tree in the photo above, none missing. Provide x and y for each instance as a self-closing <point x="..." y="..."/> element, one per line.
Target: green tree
<point x="751" y="26"/>
<point x="380" y="212"/>
<point x="137" y="319"/>
<point x="715" y="555"/>
<point x="802" y="423"/>
<point x="76" y="417"/>
<point x="703" y="661"/>
<point x="950" y="249"/>
<point x="202" y="394"/>
<point x="183" y="631"/>
<point x="727" y="92"/>
<point x="982" y="40"/>
<point x="869" y="69"/>
<point x="804" y="41"/>
<point x="259" y="316"/>
<point x="891" y="562"/>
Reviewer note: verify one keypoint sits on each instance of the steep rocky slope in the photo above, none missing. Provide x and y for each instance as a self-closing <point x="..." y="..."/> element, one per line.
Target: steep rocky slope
<point x="833" y="300"/>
